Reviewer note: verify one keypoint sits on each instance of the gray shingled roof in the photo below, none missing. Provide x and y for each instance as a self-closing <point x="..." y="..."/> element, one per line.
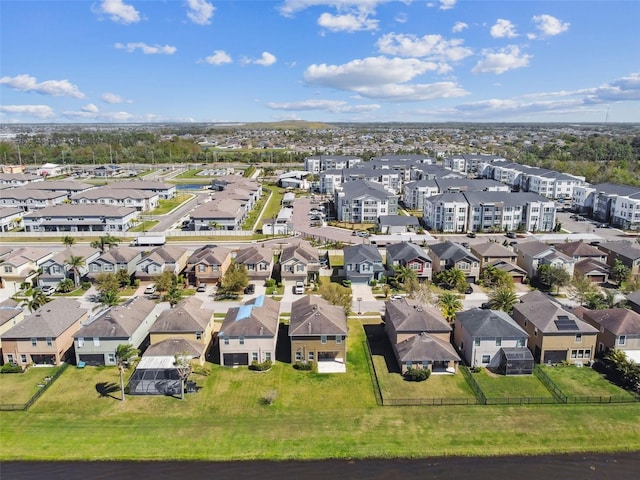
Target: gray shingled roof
<point x="481" y="323"/>
<point x="543" y="314"/>
<point x="406" y="251"/>
<point x="314" y="316"/>
<point x="9" y="309"/>
<point x="623" y="248"/>
<point x="254" y="319"/>
<point x="423" y="348"/>
<point x="50" y="320"/>
<point x="187" y="316"/>
<point x="172" y="347"/>
<point x="411" y="316"/>
<point x="119" y="322"/>
<point x="619" y="321"/>
<point x="301" y="251"/>
<point x="360" y="188"/>
<point x="361" y="253"/>
<point x="452" y="251"/>
<point x="209" y="255"/>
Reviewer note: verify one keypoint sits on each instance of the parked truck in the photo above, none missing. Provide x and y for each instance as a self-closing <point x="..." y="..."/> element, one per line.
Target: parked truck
<point x="150" y="241"/>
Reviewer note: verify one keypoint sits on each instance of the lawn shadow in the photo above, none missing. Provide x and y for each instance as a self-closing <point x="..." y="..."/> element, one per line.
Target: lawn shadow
<point x="380" y="345"/>
<point x="105" y="389"/>
<point x="283" y="345"/>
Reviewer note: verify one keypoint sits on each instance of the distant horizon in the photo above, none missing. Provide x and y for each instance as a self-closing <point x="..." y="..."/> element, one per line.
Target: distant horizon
<point x="329" y="61"/>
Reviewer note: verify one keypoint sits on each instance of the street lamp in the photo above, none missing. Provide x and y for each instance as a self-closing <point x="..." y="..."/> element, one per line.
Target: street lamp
<point x="359" y="301"/>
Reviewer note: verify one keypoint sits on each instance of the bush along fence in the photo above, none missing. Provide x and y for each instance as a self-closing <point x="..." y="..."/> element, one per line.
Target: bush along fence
<point x="45" y="385"/>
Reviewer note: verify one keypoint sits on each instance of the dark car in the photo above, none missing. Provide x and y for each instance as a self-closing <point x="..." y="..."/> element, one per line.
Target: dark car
<point x="250" y="289"/>
<point x="202" y="287"/>
<point x="468" y="290"/>
<point x="485" y="306"/>
<point x="511" y="235"/>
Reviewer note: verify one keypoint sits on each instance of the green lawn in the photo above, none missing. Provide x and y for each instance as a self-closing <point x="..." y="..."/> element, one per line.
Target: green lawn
<point x="579" y="382"/>
<point x="20" y="387"/>
<point x="510" y="386"/>
<point x="275" y="203"/>
<point x="165" y="206"/>
<point x="314" y="417"/>
<point x="336" y="260"/>
<point x="144" y="226"/>
<point x="192" y="173"/>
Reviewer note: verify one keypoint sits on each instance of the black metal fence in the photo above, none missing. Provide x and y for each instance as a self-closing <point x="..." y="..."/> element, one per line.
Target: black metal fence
<point x="475" y="388"/>
<point x="374" y="376"/>
<point x="548" y="383"/>
<point x="428" y="402"/>
<point x="45" y="385"/>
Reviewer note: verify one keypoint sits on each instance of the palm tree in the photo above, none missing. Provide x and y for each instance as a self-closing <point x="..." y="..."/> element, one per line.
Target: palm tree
<point x="124" y="354"/>
<point x="503" y="298"/>
<point x="107" y="241"/>
<point x="67" y="240"/>
<point x="183" y="365"/>
<point x="454" y="278"/>
<point x="108" y="299"/>
<point x="35" y="300"/>
<point x="75" y="263"/>
<point x="449" y="303"/>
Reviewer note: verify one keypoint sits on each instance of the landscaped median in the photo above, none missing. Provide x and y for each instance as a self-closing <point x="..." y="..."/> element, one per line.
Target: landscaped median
<point x="314" y="416"/>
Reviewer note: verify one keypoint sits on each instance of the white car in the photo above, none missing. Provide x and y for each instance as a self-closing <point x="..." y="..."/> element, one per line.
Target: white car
<point x="48" y="290"/>
<point x="150" y="290"/>
<point x="396" y="297"/>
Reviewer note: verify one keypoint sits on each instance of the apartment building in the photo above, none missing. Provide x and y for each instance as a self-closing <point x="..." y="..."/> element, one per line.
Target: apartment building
<point x="363" y="202"/>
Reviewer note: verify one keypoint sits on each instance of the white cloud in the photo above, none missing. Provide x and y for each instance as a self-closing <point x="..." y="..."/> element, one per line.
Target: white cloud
<point x="401" y="17"/>
<point x="503" y="29"/>
<point x="382" y="78"/>
<point x="267" y="59"/>
<point x="290" y="7"/>
<point x="57" y="88"/>
<point x="622" y="89"/>
<point x="447" y="4"/>
<point x="39" y="111"/>
<point x="548" y="26"/>
<point x="200" y="11"/>
<point x="146" y="49"/>
<point x="501" y="61"/>
<point x="459" y="26"/>
<point x="335" y="106"/>
<point x="219" y="57"/>
<point x="348" y="22"/>
<point x="118" y="11"/>
<point x="90" y="107"/>
<point x="113" y="98"/>
<point x="434" y="47"/>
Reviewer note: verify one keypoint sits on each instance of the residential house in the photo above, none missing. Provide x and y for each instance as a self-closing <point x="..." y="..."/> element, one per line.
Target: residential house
<point x="493" y="254"/>
<point x="97" y="341"/>
<point x="114" y="260"/>
<point x="208" y="264"/>
<point x="591" y="263"/>
<point x="46" y="336"/>
<point x="532" y="255"/>
<point x="448" y="255"/>
<point x="411" y="256"/>
<point x="10" y="218"/>
<point x="56" y="269"/>
<point x="166" y="258"/>
<point x="318" y="332"/>
<point x="363" y="202"/>
<point x="186" y="322"/>
<point x="479" y="335"/>
<point x="257" y="260"/>
<point x="625" y="251"/>
<point x="299" y="261"/>
<point x="22" y="264"/>
<point x="249" y="333"/>
<point x="395" y="224"/>
<point x="555" y="335"/>
<point x="81" y="218"/>
<point x="17" y="179"/>
<point x="617" y="328"/>
<point x="362" y="264"/>
<point x="633" y="299"/>
<point x="420" y="337"/>
<point x="11" y="313"/>
<point x="51" y="170"/>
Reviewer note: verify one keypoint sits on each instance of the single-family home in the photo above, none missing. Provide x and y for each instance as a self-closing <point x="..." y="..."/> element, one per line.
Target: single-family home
<point x="166" y="258"/>
<point x="56" y="269"/>
<point x="591" y="263"/>
<point x="187" y="322"/>
<point x="257" y="261"/>
<point x="97" y="341"/>
<point x="299" y="261"/>
<point x="555" y="335"/>
<point x="22" y="264"/>
<point x="532" y="255"/>
<point x="362" y="263"/>
<point x="625" y="251"/>
<point x="46" y="336"/>
<point x="411" y="256"/>
<point x="318" y="333"/>
<point x="208" y="264"/>
<point x="493" y="254"/>
<point x="393" y="224"/>
<point x="10" y="314"/>
<point x="617" y="328"/>
<point x="115" y="259"/>
<point x="479" y="335"/>
<point x="249" y="333"/>
<point x="448" y="255"/>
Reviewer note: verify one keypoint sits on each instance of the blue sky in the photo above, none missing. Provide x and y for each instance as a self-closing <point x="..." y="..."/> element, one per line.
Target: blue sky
<point x="334" y="61"/>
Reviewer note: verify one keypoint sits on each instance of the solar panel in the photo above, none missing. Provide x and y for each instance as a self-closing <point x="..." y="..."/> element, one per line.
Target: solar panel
<point x="563" y="322"/>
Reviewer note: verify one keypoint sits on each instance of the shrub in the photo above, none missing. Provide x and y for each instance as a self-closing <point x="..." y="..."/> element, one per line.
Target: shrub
<point x="11" y="368"/>
<point x="270" y="282"/>
<point x="136" y="282"/>
<point x="260" y="366"/>
<point x="85" y="285"/>
<point x="417" y="374"/>
<point x="346" y="283"/>
<point x="475" y="369"/>
<point x="373" y="282"/>
<point x="269" y="398"/>
<point x="303" y="366"/>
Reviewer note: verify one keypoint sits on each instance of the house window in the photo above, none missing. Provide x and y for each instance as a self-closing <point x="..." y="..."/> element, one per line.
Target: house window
<point x="311" y="356"/>
<point x="23" y="358"/>
<point x="622" y="339"/>
<point x="241" y="340"/>
<point x="498" y="342"/>
<point x="338" y="338"/>
<point x="323" y="339"/>
<point x="298" y="357"/>
<point x="254" y="356"/>
<point x="300" y="268"/>
<point x="226" y="341"/>
<point x="520" y="342"/>
<point x="486" y="358"/>
<point x="7" y="269"/>
<point x="267" y="356"/>
<point x="476" y="342"/>
<point x="9" y="358"/>
<point x="201" y="268"/>
<point x="80" y="342"/>
<point x="535" y="332"/>
<point x="96" y="341"/>
<point x="578" y="338"/>
<point x="111" y="358"/>
<point x="34" y="342"/>
<point x="49" y="342"/>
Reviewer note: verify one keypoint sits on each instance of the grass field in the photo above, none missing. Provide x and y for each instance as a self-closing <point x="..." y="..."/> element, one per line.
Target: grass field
<point x="314" y="416"/>
<point x="511" y="386"/>
<point x="20" y="387"/>
<point x="144" y="226"/>
<point x="578" y="382"/>
<point x="165" y="206"/>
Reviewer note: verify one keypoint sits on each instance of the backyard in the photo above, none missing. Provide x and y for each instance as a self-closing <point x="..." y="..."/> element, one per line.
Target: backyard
<point x="580" y="382"/>
<point x="20" y="387"/>
<point x="511" y="386"/>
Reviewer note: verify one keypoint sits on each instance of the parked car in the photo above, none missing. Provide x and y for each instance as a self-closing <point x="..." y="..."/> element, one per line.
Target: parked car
<point x="511" y="235"/>
<point x="363" y="234"/>
<point x="250" y="289"/>
<point x="396" y="297"/>
<point x="603" y="225"/>
<point x="471" y="234"/>
<point x="468" y="290"/>
<point x="298" y="289"/>
<point x="48" y="290"/>
<point x="485" y="306"/>
<point x="202" y="287"/>
<point x="150" y="290"/>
